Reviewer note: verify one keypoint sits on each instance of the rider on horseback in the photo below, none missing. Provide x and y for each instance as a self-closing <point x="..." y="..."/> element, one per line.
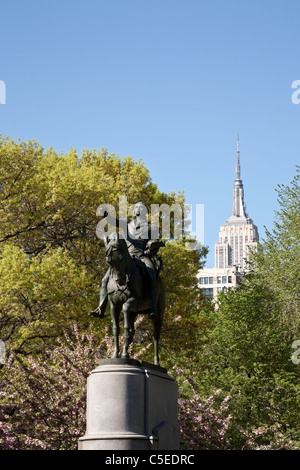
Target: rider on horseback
<point x="143" y="243"/>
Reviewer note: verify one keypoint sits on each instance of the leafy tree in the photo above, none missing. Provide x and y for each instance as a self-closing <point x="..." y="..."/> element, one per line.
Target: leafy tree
<point x="51" y="264"/>
<point x="43" y="401"/>
<point x="51" y="261"/>
<point x="249" y="352"/>
<point x="278" y="260"/>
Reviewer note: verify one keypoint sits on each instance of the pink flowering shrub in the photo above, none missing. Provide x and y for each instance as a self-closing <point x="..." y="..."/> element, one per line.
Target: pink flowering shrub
<point x="206" y="423"/>
<point x="203" y="422"/>
<point x="203" y="425"/>
<point x="43" y="402"/>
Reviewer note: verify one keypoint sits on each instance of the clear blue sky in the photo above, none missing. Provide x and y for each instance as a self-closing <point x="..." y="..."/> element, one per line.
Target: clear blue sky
<point x="171" y="82"/>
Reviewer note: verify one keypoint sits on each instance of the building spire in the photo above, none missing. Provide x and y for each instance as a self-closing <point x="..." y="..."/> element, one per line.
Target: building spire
<point x="238" y="208"/>
<point x="238" y="166"/>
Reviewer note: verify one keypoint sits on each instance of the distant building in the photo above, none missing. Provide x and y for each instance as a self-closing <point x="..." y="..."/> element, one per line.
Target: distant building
<point x="237" y="237"/>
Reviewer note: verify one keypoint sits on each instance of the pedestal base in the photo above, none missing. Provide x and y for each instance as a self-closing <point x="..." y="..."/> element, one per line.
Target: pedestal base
<point x="131" y="405"/>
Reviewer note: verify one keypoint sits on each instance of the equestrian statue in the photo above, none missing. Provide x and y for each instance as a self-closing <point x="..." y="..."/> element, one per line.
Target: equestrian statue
<point x="132" y="284"/>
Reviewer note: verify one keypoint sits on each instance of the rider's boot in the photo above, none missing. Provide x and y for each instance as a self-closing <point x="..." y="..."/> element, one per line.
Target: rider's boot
<point x="103" y="295"/>
<point x="102" y="302"/>
<point x="99" y="312"/>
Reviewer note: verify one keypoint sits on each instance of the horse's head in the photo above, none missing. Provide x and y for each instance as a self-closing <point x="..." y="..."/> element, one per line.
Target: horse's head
<point x="115" y="251"/>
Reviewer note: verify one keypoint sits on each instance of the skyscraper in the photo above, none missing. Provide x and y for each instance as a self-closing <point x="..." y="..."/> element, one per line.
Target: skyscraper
<point x="237" y="237"/>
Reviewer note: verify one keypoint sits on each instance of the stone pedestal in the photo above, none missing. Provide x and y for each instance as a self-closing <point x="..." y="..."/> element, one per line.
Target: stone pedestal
<point x="131" y="405"/>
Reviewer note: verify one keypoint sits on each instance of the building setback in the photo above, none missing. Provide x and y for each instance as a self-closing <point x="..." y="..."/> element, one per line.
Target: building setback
<point x="237" y="238"/>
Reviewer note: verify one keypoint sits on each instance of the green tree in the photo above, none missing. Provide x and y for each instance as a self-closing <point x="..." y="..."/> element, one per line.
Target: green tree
<point x="250" y="347"/>
<point x="51" y="261"/>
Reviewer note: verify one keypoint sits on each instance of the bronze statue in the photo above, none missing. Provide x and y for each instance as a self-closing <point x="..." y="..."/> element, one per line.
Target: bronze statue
<point x="132" y="284"/>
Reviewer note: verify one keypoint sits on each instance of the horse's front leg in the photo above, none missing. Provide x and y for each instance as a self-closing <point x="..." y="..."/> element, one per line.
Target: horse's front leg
<point x="115" y="314"/>
<point x="128" y="336"/>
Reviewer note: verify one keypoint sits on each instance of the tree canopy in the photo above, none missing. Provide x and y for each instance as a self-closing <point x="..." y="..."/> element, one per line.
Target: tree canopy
<point x="239" y="387"/>
<point x="51" y="261"/>
<point x="249" y="352"/>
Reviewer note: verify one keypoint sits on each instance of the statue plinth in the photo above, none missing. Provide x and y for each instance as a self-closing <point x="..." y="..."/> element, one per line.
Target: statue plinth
<point x="131" y="405"/>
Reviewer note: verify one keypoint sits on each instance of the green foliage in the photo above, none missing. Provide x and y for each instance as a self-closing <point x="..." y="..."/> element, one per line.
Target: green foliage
<point x="51" y="265"/>
<point x="239" y="388"/>
<point x="250" y="345"/>
<point x="51" y="261"/>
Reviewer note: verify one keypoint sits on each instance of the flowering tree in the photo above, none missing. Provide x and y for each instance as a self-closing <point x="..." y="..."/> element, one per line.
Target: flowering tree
<point x="203" y="421"/>
<point x="203" y="425"/>
<point x="43" y="402"/>
<point x="206" y="424"/>
<point x="210" y="422"/>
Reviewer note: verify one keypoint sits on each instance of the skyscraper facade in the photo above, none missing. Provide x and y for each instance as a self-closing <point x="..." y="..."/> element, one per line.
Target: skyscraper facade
<point x="238" y="236"/>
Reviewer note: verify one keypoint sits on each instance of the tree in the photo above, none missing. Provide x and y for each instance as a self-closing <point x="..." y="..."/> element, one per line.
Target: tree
<point x="278" y="260"/>
<point x="51" y="265"/>
<point x="249" y="352"/>
<point x="43" y="401"/>
<point x="51" y="261"/>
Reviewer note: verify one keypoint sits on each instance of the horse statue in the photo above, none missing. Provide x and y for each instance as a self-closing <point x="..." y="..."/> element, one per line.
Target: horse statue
<point x="128" y="294"/>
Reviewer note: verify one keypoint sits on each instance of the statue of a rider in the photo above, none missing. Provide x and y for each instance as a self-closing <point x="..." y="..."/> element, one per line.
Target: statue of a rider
<point x="143" y="243"/>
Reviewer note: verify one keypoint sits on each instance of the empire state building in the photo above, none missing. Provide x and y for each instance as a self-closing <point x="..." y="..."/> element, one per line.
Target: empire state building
<point x="237" y="237"/>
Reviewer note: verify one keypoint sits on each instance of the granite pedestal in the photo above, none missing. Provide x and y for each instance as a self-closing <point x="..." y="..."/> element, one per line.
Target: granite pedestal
<point x="131" y="405"/>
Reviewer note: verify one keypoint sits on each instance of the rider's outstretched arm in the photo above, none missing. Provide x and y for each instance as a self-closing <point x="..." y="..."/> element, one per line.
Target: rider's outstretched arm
<point x="111" y="219"/>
